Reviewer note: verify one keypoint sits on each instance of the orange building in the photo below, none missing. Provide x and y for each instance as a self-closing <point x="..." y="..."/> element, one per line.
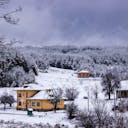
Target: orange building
<point x="38" y="100"/>
<point x="83" y="74"/>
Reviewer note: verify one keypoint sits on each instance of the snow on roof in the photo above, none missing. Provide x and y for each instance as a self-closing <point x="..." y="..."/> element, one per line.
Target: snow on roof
<point x="83" y="71"/>
<point x="33" y="87"/>
<point x="124" y="85"/>
<point x="27" y="88"/>
<point x="44" y="94"/>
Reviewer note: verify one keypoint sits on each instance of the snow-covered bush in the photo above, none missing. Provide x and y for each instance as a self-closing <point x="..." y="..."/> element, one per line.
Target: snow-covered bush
<point x="123" y="105"/>
<point x="14" y="67"/>
<point x="71" y="110"/>
<point x="7" y="99"/>
<point x="86" y="120"/>
<point x="101" y="114"/>
<point x="71" y="93"/>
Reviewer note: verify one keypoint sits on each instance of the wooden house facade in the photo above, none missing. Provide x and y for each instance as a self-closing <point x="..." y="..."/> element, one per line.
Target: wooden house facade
<point x="38" y="100"/>
<point x="122" y="92"/>
<point x="83" y="74"/>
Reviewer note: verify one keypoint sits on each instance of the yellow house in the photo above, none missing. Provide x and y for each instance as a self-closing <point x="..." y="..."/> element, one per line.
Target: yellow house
<point x="38" y="100"/>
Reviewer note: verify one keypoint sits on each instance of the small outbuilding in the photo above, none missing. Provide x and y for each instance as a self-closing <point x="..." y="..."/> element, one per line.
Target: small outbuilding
<point x="83" y="74"/>
<point x="122" y="92"/>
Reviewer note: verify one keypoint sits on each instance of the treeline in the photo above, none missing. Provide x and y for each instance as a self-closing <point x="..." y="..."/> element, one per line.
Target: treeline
<point x="94" y="59"/>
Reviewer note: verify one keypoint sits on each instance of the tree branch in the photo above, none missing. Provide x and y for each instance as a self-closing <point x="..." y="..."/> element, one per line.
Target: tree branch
<point x="8" y="16"/>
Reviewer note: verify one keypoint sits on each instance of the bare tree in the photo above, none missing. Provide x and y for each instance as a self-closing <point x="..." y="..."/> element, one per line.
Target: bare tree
<point x="95" y="92"/>
<point x="3" y="2"/>
<point x="8" y="16"/>
<point x="55" y="97"/>
<point x="110" y="81"/>
<point x="119" y="122"/>
<point x="100" y="112"/>
<point x="86" y="119"/>
<point x="71" y="110"/>
<point x="71" y="93"/>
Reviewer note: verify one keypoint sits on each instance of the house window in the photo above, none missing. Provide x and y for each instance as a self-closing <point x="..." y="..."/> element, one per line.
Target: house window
<point x="19" y="103"/>
<point x="33" y="104"/>
<point x="19" y="94"/>
<point x="38" y="103"/>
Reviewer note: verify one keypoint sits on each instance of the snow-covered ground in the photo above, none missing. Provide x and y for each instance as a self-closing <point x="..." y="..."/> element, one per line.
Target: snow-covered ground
<point x="61" y="78"/>
<point x="38" y="117"/>
<point x="57" y="78"/>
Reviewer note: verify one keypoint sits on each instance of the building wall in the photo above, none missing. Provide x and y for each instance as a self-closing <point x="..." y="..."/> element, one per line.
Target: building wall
<point x="45" y="105"/>
<point x="83" y="75"/>
<point x="21" y="97"/>
<point x="122" y="94"/>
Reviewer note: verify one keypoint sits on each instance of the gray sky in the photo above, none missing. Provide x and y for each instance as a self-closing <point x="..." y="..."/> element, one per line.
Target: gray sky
<point x="72" y="22"/>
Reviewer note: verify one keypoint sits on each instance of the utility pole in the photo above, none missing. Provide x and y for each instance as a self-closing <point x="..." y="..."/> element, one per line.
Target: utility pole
<point x="115" y="103"/>
<point x="88" y="105"/>
<point x="88" y="100"/>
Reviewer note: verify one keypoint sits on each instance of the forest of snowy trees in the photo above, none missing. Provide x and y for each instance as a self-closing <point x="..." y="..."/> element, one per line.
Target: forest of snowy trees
<point x="15" y="69"/>
<point x="19" y="65"/>
<point x="95" y="59"/>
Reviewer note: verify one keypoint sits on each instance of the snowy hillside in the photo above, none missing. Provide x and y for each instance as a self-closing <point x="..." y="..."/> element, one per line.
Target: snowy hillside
<point x="63" y="78"/>
<point x="57" y="78"/>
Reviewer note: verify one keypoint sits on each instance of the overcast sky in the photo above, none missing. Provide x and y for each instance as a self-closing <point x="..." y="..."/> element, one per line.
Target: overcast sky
<point x="72" y="22"/>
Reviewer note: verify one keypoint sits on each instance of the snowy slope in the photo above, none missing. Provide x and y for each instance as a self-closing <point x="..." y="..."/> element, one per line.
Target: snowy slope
<point x="62" y="78"/>
<point x="57" y="78"/>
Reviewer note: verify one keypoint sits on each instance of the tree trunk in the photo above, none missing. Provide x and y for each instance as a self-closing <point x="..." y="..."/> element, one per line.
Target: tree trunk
<point x="55" y="106"/>
<point x="10" y="105"/>
<point x="4" y="107"/>
<point x="70" y="115"/>
<point x="109" y="96"/>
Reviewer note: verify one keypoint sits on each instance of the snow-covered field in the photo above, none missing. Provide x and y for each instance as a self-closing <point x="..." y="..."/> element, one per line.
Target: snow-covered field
<point x="38" y="117"/>
<point x="61" y="78"/>
<point x="56" y="78"/>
